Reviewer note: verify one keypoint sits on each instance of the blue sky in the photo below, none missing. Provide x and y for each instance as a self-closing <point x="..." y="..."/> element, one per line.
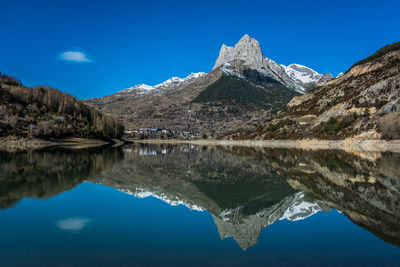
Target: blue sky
<point x="118" y="44"/>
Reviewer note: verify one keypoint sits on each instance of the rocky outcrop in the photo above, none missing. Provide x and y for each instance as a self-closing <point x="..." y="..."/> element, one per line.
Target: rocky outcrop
<point x="324" y="79"/>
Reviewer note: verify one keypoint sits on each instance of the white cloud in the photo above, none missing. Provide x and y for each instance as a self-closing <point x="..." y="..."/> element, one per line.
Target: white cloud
<point x="74" y="56"/>
<point x="73" y="224"/>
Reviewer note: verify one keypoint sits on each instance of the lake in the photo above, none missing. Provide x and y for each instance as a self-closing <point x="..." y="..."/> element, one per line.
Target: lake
<point x="181" y="205"/>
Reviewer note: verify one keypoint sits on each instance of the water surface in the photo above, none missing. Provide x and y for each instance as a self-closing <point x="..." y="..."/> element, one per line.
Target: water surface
<point x="191" y="205"/>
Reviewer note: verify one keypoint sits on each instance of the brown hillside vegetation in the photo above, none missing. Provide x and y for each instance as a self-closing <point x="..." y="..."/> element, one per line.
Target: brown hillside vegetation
<point x="47" y="112"/>
<point x="206" y="106"/>
<point x="362" y="104"/>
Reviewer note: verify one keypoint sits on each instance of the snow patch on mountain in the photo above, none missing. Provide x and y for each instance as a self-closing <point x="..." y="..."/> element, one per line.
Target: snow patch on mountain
<point x="300" y="208"/>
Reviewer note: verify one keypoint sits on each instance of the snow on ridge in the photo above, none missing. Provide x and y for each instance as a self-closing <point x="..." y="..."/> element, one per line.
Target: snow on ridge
<point x="144" y="88"/>
<point x="301" y="74"/>
<point x="225" y="213"/>
<point x="300" y="66"/>
<point x="231" y="72"/>
<point x="140" y="88"/>
<point x="178" y="80"/>
<point x="173" y="80"/>
<point x="143" y="193"/>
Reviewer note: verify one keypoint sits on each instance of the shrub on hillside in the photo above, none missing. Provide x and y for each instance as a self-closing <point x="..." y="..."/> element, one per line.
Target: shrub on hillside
<point x="241" y="92"/>
<point x="333" y="126"/>
<point x="390" y="126"/>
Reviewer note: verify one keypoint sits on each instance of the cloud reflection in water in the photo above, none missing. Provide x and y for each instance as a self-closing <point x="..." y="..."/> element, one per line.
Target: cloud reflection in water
<point x="73" y="224"/>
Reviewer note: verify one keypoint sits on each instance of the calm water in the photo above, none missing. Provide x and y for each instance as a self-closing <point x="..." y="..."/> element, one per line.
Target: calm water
<point x="188" y="205"/>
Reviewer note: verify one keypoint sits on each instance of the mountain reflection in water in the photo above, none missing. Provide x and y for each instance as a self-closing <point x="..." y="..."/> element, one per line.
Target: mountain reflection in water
<point x="244" y="189"/>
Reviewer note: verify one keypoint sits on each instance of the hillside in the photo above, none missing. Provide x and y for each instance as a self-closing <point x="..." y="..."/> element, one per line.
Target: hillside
<point x="207" y="105"/>
<point x="364" y="103"/>
<point x="230" y="90"/>
<point x="45" y="112"/>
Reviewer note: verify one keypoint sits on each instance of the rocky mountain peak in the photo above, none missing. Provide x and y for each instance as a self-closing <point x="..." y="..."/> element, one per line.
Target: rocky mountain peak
<point x="248" y="42"/>
<point x="247" y="54"/>
<point x="324" y="79"/>
<point x="247" y="50"/>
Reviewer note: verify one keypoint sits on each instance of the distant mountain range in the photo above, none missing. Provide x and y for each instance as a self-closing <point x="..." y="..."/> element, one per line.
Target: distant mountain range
<point x="248" y="52"/>
<point x="142" y="89"/>
<point x="242" y="90"/>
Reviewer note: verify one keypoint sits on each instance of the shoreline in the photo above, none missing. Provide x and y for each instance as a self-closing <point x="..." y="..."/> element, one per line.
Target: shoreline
<point x="13" y="143"/>
<point x="306" y="144"/>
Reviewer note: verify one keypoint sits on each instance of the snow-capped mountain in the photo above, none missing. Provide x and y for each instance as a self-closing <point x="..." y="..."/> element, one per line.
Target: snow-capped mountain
<point x="145" y="89"/>
<point x="247" y="54"/>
